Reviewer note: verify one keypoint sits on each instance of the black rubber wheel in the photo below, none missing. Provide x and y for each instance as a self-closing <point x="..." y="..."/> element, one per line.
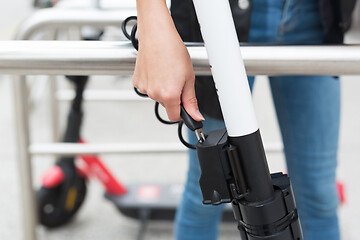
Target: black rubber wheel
<point x="57" y="206"/>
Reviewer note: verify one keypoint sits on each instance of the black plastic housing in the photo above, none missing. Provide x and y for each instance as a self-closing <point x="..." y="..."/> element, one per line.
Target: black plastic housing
<point x="215" y="169"/>
<point x="235" y="170"/>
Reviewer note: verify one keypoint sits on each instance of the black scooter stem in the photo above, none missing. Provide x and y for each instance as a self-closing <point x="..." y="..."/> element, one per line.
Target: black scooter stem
<point x="254" y="166"/>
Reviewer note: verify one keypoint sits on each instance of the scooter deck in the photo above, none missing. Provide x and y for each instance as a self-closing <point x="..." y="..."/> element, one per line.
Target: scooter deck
<point x="154" y="201"/>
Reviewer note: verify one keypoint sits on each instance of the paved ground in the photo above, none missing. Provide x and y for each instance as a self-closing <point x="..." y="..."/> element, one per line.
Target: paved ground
<point x="120" y="121"/>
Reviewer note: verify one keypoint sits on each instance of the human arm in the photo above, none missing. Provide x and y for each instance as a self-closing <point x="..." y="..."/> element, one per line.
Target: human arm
<point x="163" y="67"/>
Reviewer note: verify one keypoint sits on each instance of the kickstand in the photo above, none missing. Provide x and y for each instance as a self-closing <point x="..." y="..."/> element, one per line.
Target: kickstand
<point x="144" y="215"/>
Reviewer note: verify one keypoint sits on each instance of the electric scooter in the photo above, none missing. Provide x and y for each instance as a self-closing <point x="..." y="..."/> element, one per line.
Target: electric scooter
<point x="233" y="162"/>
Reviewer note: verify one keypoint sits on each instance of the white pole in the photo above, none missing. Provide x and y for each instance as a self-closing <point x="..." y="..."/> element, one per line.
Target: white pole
<point x="227" y="66"/>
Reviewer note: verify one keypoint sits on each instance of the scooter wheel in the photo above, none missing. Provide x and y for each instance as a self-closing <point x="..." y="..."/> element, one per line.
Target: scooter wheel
<point x="57" y="206"/>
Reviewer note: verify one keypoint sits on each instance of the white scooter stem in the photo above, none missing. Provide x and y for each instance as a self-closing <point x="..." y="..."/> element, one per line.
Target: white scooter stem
<point x="227" y="66"/>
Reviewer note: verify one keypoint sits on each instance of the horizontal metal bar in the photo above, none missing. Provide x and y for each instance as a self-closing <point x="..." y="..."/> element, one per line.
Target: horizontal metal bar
<point x="118" y="58"/>
<point x="65" y="18"/>
<point x="117" y="148"/>
<point x="103" y="148"/>
<point x="101" y="95"/>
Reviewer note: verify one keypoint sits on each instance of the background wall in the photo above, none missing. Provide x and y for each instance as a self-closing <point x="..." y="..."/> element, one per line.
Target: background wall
<point x="12" y="13"/>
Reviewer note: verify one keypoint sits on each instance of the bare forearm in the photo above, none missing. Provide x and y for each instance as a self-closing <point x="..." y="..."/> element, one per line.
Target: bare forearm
<point x="154" y="19"/>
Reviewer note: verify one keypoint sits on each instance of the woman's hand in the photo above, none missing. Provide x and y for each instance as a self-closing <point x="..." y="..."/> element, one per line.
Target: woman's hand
<point x="163" y="67"/>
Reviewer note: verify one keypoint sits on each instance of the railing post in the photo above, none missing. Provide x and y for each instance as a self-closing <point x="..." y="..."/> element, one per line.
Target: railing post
<point x="27" y="198"/>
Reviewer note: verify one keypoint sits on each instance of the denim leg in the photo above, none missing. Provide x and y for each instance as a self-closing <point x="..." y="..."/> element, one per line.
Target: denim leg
<point x="308" y="110"/>
<point x="195" y="221"/>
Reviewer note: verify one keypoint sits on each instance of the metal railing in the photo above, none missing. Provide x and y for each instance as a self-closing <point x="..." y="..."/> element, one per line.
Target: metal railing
<point x="59" y="19"/>
<point x="114" y="58"/>
<point x="40" y="21"/>
<point x="68" y="18"/>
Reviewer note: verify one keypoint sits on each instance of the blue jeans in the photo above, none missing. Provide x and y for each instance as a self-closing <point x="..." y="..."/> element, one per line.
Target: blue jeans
<point x="308" y="110"/>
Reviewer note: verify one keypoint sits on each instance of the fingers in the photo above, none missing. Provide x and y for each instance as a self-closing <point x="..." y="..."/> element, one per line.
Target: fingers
<point x="171" y="102"/>
<point x="172" y="98"/>
<point x="139" y="82"/>
<point x="189" y="100"/>
<point x="167" y="97"/>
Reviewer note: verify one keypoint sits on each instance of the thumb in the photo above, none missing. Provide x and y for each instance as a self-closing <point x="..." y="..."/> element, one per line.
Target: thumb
<point x="189" y="100"/>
